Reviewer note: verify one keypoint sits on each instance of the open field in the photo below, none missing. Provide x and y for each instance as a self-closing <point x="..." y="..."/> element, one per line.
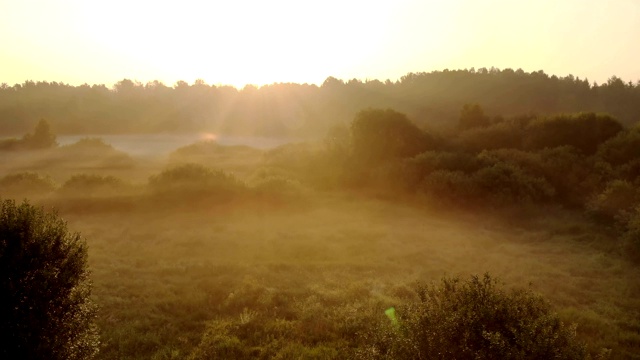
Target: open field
<point x="308" y="277"/>
<point x="160" y="276"/>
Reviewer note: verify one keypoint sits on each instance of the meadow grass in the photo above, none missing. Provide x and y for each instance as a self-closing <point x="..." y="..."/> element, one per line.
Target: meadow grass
<point x="163" y="277"/>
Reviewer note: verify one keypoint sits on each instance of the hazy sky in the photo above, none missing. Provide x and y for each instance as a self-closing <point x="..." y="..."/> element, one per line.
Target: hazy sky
<point x="238" y="42"/>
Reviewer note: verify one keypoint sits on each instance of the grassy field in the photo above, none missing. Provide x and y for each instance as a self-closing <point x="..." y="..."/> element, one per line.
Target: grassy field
<point x="161" y="276"/>
<point x="306" y="279"/>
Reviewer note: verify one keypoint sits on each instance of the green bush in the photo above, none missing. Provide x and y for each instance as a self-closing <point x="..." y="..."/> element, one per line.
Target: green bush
<point x="622" y="148"/>
<point x="25" y="184"/>
<point x="621" y="153"/>
<point x="474" y="319"/>
<point x="380" y="135"/>
<point x="93" y="185"/>
<point x="503" y="135"/>
<point x="41" y="138"/>
<point x="294" y="156"/>
<point x="584" y="131"/>
<point x="93" y="153"/>
<point x="472" y="116"/>
<point x="447" y="186"/>
<point x="496" y="184"/>
<point x="277" y="188"/>
<point x="45" y="306"/>
<point x="414" y="170"/>
<point x="503" y="183"/>
<point x="89" y="144"/>
<point x="193" y="180"/>
<point x="617" y="199"/>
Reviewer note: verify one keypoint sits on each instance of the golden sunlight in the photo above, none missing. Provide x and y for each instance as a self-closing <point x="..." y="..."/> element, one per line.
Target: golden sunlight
<point x="238" y="43"/>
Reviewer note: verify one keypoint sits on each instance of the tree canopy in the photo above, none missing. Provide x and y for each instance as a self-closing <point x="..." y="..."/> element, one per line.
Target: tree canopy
<point x="433" y="98"/>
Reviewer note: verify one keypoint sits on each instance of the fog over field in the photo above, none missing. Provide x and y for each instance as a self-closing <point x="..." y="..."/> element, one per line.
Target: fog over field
<point x="204" y="246"/>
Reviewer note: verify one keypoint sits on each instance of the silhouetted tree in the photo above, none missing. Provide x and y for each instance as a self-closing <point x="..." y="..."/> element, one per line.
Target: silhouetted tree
<point x="379" y="135"/>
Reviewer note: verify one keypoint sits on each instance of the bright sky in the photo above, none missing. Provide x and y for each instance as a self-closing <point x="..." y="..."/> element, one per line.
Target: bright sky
<point x="256" y="41"/>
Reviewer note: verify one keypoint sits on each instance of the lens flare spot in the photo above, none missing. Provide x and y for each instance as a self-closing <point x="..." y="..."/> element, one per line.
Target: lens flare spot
<point x="391" y="314"/>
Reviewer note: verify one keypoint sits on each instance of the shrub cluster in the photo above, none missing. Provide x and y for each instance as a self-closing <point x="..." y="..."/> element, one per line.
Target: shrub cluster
<point x="27" y="184"/>
<point x="192" y="181"/>
<point x="474" y="319"/>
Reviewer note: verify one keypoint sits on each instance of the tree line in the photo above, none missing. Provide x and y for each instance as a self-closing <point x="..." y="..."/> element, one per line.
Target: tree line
<point x="287" y="109"/>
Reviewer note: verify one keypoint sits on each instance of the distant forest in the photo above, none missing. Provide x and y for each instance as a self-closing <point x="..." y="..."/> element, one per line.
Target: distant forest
<point x="432" y="99"/>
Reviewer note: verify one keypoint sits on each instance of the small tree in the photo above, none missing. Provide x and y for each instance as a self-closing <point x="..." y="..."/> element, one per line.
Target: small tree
<point x="379" y="135"/>
<point x="42" y="137"/>
<point x="45" y="310"/>
<point x="472" y="116"/>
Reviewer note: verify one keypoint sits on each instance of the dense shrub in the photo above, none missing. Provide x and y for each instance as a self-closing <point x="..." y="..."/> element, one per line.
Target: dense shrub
<point x="574" y="176"/>
<point x="530" y="161"/>
<point x="256" y="337"/>
<point x="279" y="189"/>
<point x="293" y="156"/>
<point x="93" y="152"/>
<point x="89" y="144"/>
<point x="475" y="319"/>
<point x="26" y="184"/>
<point x="571" y="174"/>
<point x="584" y="131"/>
<point x="621" y="149"/>
<point x="41" y="138"/>
<point x="622" y="153"/>
<point x="503" y="135"/>
<point x="93" y="185"/>
<point x="503" y="183"/>
<point x="472" y="116"/>
<point x="379" y="135"/>
<point x="499" y="183"/>
<point x="45" y="308"/>
<point x="618" y="198"/>
<point x="447" y="186"/>
<point x="413" y="171"/>
<point x="193" y="180"/>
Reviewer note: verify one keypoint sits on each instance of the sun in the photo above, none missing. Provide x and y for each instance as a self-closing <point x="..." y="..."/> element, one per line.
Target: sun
<point x="234" y="43"/>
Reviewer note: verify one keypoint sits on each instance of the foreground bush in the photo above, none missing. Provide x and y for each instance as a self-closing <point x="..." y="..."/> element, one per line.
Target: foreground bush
<point x="45" y="310"/>
<point x="475" y="319"/>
